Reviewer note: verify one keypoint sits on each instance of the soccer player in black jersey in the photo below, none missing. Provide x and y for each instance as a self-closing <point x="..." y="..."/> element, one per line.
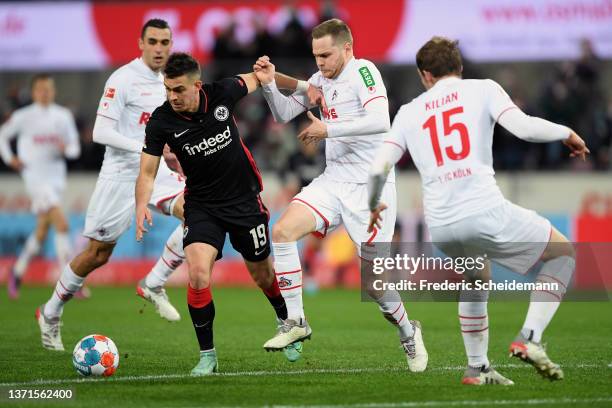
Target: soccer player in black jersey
<point x="222" y="188"/>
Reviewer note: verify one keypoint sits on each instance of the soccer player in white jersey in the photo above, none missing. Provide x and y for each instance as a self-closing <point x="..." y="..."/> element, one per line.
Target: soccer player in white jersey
<point x="131" y="94"/>
<point x="46" y="134"/>
<point x="448" y="131"/>
<point x="356" y="116"/>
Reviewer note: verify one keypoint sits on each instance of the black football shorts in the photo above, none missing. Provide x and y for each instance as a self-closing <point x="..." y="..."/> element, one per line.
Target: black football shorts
<point x="246" y="223"/>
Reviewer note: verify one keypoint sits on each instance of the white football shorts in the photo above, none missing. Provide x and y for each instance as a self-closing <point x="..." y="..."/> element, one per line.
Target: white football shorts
<point x="45" y="186"/>
<point x="111" y="206"/>
<point x="508" y="235"/>
<point x="333" y="203"/>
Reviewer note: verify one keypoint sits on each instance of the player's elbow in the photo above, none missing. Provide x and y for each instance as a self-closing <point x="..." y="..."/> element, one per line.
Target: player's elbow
<point x="97" y="134"/>
<point x="386" y="125"/>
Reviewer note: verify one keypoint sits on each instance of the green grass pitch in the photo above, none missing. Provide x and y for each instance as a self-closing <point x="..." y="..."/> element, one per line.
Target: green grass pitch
<point x="353" y="359"/>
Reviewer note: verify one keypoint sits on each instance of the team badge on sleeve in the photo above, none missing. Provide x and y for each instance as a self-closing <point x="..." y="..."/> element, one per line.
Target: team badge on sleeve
<point x="109" y="93"/>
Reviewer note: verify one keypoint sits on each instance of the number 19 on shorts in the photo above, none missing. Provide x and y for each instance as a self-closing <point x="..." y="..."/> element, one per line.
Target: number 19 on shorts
<point x="259" y="236"/>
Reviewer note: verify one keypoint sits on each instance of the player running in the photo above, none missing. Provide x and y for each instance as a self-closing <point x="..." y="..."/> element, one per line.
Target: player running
<point x="132" y="92"/>
<point x="46" y="135"/>
<point x="355" y="118"/>
<point x="448" y="131"/>
<point x="223" y="185"/>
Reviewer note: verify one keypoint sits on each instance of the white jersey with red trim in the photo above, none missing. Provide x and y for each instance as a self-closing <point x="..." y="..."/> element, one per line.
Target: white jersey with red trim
<point x="348" y="158"/>
<point x="130" y="95"/>
<point x="44" y="134"/>
<point x="448" y="131"/>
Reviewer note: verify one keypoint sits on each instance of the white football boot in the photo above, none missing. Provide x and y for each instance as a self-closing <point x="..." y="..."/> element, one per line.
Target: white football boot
<point x="288" y="333"/>
<point x="415" y="350"/>
<point x="159" y="298"/>
<point x="50" y="333"/>
<point x="484" y="376"/>
<point x="535" y="354"/>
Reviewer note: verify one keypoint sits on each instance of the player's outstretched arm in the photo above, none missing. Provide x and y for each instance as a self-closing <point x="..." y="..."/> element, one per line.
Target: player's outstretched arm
<point x="283" y="108"/>
<point x="105" y="132"/>
<point x="534" y="129"/>
<point x="149" y="165"/>
<point x="251" y="81"/>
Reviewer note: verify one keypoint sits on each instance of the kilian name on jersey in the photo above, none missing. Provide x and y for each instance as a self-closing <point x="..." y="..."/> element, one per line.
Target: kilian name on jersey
<point x="210" y="145"/>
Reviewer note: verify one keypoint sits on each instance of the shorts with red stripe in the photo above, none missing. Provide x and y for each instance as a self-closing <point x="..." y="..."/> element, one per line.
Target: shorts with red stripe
<point x="246" y="223"/>
<point x="333" y="203"/>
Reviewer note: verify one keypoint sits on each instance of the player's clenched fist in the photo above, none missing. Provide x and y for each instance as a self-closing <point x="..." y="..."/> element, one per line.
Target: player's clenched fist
<point x="264" y="70"/>
<point x="142" y="214"/>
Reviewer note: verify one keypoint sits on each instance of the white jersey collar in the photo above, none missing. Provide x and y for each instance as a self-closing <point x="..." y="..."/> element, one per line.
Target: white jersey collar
<point x="346" y="68"/>
<point x="445" y="82"/>
<point x="140" y="65"/>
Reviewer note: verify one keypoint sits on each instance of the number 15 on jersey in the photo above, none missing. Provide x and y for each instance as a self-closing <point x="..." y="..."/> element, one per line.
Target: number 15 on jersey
<point x="451" y="127"/>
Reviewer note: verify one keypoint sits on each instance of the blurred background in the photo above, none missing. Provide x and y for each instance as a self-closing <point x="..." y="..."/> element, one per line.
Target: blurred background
<point x="554" y="57"/>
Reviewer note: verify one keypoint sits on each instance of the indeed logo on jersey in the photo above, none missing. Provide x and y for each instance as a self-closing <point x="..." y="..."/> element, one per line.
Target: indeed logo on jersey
<point x="210" y="145"/>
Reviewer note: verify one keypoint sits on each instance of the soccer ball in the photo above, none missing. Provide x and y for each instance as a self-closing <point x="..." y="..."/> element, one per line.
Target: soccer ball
<point x="95" y="355"/>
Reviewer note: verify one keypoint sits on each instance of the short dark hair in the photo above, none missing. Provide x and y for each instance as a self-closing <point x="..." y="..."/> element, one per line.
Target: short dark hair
<point x="181" y="63"/>
<point x="336" y="28"/>
<point x="440" y="56"/>
<point x="155" y="23"/>
<point x="43" y="76"/>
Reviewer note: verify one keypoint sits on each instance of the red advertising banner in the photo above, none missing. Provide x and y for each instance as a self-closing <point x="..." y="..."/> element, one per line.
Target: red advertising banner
<point x="94" y="35"/>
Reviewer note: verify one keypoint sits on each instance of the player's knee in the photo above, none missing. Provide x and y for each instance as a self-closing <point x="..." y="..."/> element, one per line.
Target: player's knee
<point x="61" y="226"/>
<point x="282" y="232"/>
<point x="98" y="256"/>
<point x="199" y="276"/>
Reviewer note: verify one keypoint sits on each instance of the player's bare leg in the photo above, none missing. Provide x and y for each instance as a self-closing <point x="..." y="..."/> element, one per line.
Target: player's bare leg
<point x="294" y="224"/>
<point x="559" y="265"/>
<point x="71" y="281"/>
<point x="31" y="248"/>
<point x="151" y="287"/>
<point x="200" y="258"/>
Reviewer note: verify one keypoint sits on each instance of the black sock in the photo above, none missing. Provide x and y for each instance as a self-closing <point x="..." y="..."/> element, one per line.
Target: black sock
<point x="202" y="318"/>
<point x="279" y="305"/>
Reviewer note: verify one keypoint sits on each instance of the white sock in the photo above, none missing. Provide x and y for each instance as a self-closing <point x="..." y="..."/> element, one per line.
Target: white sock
<point x="30" y="249"/>
<point x="474" y="321"/>
<point x="62" y="247"/>
<point x="289" y="276"/>
<point x="172" y="257"/>
<point x="544" y="304"/>
<point x="67" y="285"/>
<point x="396" y="314"/>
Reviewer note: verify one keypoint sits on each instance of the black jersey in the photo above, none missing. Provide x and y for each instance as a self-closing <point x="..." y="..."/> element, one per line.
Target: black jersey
<point x="219" y="168"/>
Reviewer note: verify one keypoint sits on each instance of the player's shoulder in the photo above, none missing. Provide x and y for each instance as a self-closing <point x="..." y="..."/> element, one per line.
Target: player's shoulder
<point x="223" y="84"/>
<point x="362" y="62"/>
<point x="364" y="72"/>
<point x="62" y="110"/>
<point x="362" y="67"/>
<point x="163" y="112"/>
<point x="24" y="110"/>
<point x="124" y="74"/>
<point x="484" y="84"/>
